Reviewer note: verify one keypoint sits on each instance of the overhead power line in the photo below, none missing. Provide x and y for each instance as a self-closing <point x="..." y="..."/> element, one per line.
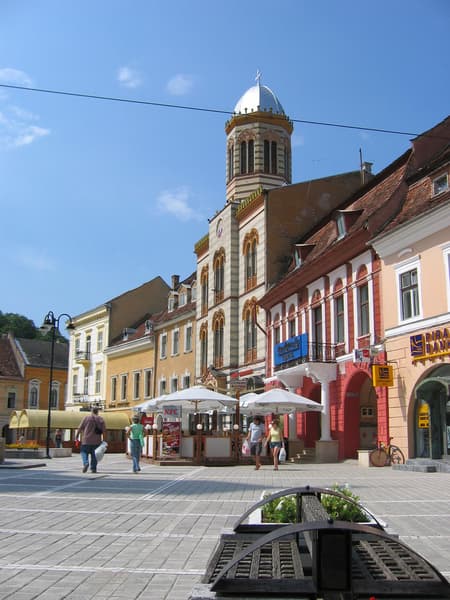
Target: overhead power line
<point x="199" y="109"/>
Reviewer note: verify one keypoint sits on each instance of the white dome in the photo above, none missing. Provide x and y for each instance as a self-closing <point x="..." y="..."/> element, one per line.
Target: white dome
<point x="258" y="97"/>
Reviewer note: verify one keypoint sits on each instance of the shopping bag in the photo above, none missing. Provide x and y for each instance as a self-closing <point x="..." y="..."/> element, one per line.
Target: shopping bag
<point x="245" y="448"/>
<point x="100" y="451"/>
<point x="282" y="455"/>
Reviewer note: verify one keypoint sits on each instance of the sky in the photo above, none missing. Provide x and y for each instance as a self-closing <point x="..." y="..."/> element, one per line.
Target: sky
<point x="100" y="196"/>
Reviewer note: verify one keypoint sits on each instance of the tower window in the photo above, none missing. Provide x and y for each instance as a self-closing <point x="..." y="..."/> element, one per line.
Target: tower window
<point x="247" y="157"/>
<point x="270" y="157"/>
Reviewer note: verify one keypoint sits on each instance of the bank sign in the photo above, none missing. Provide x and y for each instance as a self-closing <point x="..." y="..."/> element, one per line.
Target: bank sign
<point x="432" y="344"/>
<point x="294" y="348"/>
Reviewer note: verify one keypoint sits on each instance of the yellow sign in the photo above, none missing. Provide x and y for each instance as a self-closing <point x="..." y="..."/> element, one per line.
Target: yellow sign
<point x="423" y="416"/>
<point x="383" y="375"/>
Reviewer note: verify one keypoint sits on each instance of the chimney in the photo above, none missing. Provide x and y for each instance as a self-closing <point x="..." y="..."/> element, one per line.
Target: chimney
<point x="175" y="281"/>
<point x="366" y="171"/>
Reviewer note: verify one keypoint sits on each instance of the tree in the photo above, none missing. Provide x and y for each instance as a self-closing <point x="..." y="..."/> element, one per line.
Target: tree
<point x="20" y="326"/>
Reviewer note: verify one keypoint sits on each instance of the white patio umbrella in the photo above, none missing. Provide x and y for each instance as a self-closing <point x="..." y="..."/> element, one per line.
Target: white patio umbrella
<point x="197" y="398"/>
<point x="279" y="401"/>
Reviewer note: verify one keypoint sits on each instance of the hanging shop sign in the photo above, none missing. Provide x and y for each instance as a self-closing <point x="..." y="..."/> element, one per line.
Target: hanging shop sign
<point x="361" y="355"/>
<point x="432" y="344"/>
<point x="382" y="375"/>
<point x="423" y="416"/>
<point x="294" y="348"/>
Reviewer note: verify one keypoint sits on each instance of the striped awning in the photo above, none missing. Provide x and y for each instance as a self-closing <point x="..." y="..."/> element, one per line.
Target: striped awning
<point x="63" y="419"/>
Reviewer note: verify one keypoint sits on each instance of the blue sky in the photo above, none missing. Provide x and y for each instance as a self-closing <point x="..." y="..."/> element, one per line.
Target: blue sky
<point x="98" y="197"/>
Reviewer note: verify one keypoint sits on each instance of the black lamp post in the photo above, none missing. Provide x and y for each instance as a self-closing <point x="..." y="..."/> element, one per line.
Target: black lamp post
<point x="51" y="323"/>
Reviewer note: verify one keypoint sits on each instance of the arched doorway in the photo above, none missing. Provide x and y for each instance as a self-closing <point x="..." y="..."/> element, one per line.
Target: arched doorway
<point x="360" y="415"/>
<point x="432" y="415"/>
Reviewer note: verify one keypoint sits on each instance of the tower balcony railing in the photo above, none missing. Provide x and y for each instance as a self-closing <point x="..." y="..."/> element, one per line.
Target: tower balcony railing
<point x="313" y="352"/>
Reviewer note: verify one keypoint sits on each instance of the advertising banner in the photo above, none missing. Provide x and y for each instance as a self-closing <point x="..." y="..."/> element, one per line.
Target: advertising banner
<point x="171" y="438"/>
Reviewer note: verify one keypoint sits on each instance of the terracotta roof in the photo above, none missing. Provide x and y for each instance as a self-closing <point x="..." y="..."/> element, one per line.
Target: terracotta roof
<point x="8" y="362"/>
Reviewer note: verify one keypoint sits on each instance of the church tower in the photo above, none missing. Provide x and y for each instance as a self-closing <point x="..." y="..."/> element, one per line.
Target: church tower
<point x="258" y="144"/>
<point x="231" y="258"/>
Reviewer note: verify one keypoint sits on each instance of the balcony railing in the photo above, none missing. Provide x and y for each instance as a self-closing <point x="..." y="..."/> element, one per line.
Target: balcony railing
<point x="82" y="355"/>
<point x="81" y="398"/>
<point x="314" y="353"/>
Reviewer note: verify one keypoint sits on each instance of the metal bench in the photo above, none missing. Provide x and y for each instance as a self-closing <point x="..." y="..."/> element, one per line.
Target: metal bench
<point x="318" y="558"/>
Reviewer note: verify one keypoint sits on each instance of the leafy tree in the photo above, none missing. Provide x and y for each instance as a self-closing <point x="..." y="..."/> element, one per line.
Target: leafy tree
<point x="21" y="326"/>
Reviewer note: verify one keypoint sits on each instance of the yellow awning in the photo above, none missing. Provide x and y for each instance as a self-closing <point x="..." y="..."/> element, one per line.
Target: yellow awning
<point x="14" y="420"/>
<point x="63" y="419"/>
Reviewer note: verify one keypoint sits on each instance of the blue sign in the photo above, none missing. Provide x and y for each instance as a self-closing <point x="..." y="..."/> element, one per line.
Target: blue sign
<point x="294" y="348"/>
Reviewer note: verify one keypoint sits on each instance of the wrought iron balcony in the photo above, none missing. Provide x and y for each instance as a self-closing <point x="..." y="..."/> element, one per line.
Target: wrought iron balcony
<point x="83" y="356"/>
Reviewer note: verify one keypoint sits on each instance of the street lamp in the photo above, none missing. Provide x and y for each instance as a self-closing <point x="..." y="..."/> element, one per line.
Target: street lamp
<point x="51" y="323"/>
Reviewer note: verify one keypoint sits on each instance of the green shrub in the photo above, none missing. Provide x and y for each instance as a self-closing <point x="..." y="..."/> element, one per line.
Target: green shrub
<point x="283" y="510"/>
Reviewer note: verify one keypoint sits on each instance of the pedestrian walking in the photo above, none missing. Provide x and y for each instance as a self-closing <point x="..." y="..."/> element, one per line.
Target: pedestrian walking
<point x="92" y="430"/>
<point x="255" y="438"/>
<point x="136" y="435"/>
<point x="275" y="441"/>
<point x="58" y="438"/>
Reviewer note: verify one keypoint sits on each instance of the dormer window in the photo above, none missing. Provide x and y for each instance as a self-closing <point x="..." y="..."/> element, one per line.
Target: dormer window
<point x="440" y="184"/>
<point x="345" y="219"/>
<point x="340" y="224"/>
<point x="148" y="326"/>
<point x="173" y="301"/>
<point x="301" y="251"/>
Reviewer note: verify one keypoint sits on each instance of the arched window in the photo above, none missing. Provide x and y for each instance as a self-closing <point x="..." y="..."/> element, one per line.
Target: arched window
<point x="277" y="329"/>
<point x="251" y="241"/>
<point x="243" y="158"/>
<point x="339" y="313"/>
<point x="247" y="158"/>
<point x="219" y="259"/>
<point x="250" y="338"/>
<point x="33" y="394"/>
<point x="204" y="287"/>
<point x="203" y="349"/>
<point x="363" y="302"/>
<point x="270" y="157"/>
<point x="218" y="328"/>
<point x="317" y="326"/>
<point x="292" y="331"/>
<point x="230" y="162"/>
<point x="54" y="396"/>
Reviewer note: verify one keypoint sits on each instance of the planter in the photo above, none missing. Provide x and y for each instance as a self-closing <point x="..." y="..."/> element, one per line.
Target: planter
<point x="24" y="453"/>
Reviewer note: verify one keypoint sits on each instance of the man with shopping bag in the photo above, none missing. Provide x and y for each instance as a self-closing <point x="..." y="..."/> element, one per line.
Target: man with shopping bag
<point x="92" y="430"/>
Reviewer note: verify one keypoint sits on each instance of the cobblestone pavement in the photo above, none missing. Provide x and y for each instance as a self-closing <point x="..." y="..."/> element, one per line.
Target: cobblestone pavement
<point x="118" y="535"/>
